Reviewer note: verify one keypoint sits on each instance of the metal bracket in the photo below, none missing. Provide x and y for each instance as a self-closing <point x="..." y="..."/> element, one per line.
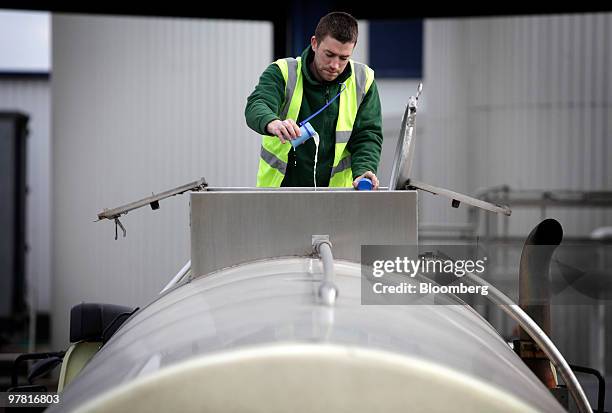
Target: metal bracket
<point x="317" y="240"/>
<point x="456" y="198"/>
<point x="402" y="161"/>
<point x="414" y="100"/>
<point x="117" y="222"/>
<point x="152" y="201"/>
<point x="526" y="349"/>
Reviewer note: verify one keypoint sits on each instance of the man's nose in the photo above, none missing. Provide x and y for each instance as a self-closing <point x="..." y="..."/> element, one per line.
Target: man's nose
<point x="335" y="64"/>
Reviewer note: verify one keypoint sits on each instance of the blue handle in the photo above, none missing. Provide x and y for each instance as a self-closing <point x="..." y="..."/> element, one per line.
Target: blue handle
<point x="306" y="129"/>
<point x="365" y="184"/>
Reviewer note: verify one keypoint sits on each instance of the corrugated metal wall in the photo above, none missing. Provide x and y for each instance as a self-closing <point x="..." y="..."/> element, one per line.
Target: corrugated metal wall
<point x="142" y="105"/>
<point x="523" y="101"/>
<point x="31" y="96"/>
<point x="441" y="150"/>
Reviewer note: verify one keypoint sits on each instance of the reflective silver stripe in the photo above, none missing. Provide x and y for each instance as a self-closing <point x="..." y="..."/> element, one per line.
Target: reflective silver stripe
<point x="360" y="81"/>
<point x="273" y="160"/>
<point x="342" y="165"/>
<point x="343" y="136"/>
<point x="291" y="81"/>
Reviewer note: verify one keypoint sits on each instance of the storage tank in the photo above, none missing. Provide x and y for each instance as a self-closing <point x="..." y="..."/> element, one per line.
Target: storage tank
<point x="248" y="330"/>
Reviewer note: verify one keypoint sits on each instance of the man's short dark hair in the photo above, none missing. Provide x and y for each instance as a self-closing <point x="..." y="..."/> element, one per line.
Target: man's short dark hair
<point x="339" y="25"/>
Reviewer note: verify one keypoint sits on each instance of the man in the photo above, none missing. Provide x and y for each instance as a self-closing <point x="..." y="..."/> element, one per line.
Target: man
<point x="350" y="128"/>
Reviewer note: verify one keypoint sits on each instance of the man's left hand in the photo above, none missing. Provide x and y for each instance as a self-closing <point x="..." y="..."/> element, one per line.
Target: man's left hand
<point x="370" y="175"/>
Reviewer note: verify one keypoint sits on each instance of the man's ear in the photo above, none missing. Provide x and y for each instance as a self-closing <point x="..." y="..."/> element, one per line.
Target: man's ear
<point x="313" y="43"/>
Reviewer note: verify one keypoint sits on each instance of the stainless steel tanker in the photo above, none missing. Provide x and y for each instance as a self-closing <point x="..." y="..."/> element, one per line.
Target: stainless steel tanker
<point x="250" y="327"/>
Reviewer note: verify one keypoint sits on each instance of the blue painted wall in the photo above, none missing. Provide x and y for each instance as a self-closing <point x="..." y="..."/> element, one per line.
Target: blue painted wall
<point x="396" y="48"/>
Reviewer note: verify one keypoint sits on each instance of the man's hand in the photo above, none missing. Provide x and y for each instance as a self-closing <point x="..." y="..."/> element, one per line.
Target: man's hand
<point x="370" y="175"/>
<point x="285" y="129"/>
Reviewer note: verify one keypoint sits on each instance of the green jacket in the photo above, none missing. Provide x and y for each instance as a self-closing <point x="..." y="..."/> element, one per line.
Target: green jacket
<point x="365" y="144"/>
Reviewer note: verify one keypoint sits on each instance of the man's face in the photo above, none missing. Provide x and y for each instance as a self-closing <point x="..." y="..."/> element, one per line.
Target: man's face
<point x="330" y="57"/>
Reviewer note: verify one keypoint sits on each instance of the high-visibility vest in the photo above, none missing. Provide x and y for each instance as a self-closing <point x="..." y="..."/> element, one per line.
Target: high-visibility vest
<point x="274" y="155"/>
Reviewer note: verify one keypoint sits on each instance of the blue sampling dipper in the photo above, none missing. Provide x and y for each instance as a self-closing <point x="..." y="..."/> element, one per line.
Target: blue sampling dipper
<point x="306" y="129"/>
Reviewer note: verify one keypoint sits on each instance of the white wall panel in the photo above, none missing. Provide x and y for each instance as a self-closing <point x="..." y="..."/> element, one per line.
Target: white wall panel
<point x="441" y="150"/>
<point x="523" y="101"/>
<point x="142" y="105"/>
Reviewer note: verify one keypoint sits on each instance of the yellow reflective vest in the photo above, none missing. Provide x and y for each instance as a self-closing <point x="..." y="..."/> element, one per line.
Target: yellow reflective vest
<point x="274" y="155"/>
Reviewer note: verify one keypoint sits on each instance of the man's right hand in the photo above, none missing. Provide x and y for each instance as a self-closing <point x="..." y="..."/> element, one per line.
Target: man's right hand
<point x="286" y="130"/>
